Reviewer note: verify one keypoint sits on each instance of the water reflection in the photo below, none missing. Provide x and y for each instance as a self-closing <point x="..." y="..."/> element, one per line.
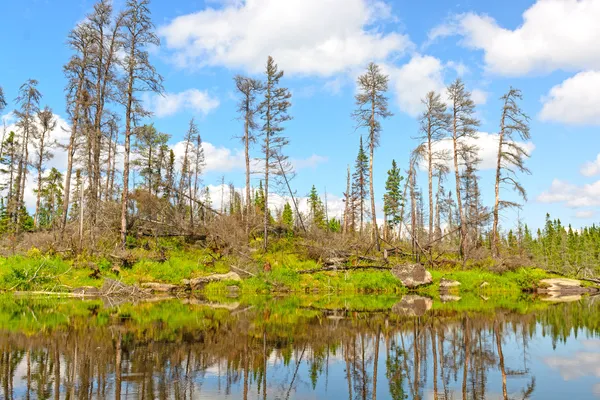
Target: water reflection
<point x="298" y="348"/>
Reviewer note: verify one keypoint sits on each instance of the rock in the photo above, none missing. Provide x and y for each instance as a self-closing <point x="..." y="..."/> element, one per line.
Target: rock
<point x="446" y="298"/>
<point x="412" y="306"/>
<point x="557" y="287"/>
<point x="160" y="287"/>
<point x="412" y="275"/>
<point x="198" y="283"/>
<point x="447" y="283"/>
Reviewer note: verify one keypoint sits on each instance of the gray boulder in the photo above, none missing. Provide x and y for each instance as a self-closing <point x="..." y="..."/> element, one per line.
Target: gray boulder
<point x="412" y="275"/>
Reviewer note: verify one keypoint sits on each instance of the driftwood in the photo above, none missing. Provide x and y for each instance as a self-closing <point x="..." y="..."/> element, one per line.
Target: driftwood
<point x="113" y="288"/>
<point x="344" y="268"/>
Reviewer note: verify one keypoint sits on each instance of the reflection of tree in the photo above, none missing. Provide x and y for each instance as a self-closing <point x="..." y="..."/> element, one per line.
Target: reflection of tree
<point x="121" y="357"/>
<point x="395" y="371"/>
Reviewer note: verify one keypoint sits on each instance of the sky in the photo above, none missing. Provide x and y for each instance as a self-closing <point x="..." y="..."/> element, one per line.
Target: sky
<point x="546" y="48"/>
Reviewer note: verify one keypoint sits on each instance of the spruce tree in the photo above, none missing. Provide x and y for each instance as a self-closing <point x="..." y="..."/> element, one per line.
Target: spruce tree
<point x="372" y="106"/>
<point x="316" y="209"/>
<point x="287" y="216"/>
<point x="360" y="191"/>
<point x="392" y="199"/>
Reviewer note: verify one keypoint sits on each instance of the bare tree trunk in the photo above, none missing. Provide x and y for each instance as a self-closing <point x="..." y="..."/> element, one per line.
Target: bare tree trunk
<point x="430" y="176"/>
<point x="463" y="226"/>
<point x="36" y="219"/>
<point x="372" y="151"/>
<point x="128" y="112"/>
<point x="81" y="213"/>
<point x="266" y="209"/>
<point x="347" y="205"/>
<point x="247" y="154"/>
<point x="495" y="241"/>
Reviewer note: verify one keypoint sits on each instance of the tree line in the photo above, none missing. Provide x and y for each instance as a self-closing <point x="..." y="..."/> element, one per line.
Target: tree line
<point x="122" y="175"/>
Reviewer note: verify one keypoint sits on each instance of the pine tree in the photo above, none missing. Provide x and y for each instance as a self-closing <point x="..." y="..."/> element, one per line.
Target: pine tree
<point x="372" y="106"/>
<point x="76" y="70"/>
<point x="392" y="199"/>
<point x="463" y="127"/>
<point x="8" y="169"/>
<point x="316" y="209"/>
<point x="28" y="101"/>
<point x="42" y="144"/>
<point x="147" y="147"/>
<point x="51" y="197"/>
<point x="359" y="185"/>
<point x="434" y="125"/>
<point x="248" y="88"/>
<point x="287" y="216"/>
<point x="140" y="76"/>
<point x="273" y="111"/>
<point x="511" y="156"/>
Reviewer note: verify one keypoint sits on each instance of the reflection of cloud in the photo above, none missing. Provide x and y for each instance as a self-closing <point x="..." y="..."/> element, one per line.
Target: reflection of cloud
<point x="581" y="364"/>
<point x="596" y="389"/>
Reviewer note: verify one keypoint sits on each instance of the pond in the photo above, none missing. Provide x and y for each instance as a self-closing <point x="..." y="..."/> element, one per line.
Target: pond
<point x="307" y="347"/>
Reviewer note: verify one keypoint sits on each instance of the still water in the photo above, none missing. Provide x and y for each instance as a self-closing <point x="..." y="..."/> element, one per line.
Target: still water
<point x="300" y="348"/>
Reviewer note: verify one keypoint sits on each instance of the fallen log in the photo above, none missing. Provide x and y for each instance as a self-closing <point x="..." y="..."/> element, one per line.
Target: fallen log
<point x="343" y="268"/>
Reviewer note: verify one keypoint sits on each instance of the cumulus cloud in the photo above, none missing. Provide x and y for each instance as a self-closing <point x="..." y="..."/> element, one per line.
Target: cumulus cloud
<point x="554" y="34"/>
<point x="413" y="80"/>
<point x="479" y="96"/>
<point x="312" y="37"/>
<point x="488" y="148"/>
<point x="335" y="204"/>
<point x="310" y="162"/>
<point x="585" y="214"/>
<point x="574" y="196"/>
<point x="168" y="104"/>
<point x="591" y="168"/>
<point x="578" y="365"/>
<point x="574" y="101"/>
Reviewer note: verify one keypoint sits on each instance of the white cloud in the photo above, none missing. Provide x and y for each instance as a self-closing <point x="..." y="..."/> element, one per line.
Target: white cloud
<point x="574" y="101"/>
<point x="460" y="68"/>
<point x="413" y="80"/>
<point x="479" y="96"/>
<point x="335" y="204"/>
<point x="571" y="195"/>
<point x="591" y="168"/>
<point x="218" y="158"/>
<point x="313" y="37"/>
<point x="585" y="214"/>
<point x="194" y="100"/>
<point x="555" y="34"/>
<point x="488" y="148"/>
<point x="578" y="365"/>
<point x="310" y="162"/>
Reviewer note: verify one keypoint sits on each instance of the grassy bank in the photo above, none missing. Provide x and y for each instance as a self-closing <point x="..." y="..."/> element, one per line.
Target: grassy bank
<point x="177" y="261"/>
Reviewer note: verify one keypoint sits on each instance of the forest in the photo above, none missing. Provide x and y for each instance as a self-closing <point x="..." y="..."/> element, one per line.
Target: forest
<point x="94" y="220"/>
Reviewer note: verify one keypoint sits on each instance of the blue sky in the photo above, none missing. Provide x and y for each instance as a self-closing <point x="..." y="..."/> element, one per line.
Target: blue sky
<point x="546" y="48"/>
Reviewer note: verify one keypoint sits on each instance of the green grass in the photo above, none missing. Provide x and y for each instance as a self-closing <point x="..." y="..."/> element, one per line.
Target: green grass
<point x="286" y="257"/>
